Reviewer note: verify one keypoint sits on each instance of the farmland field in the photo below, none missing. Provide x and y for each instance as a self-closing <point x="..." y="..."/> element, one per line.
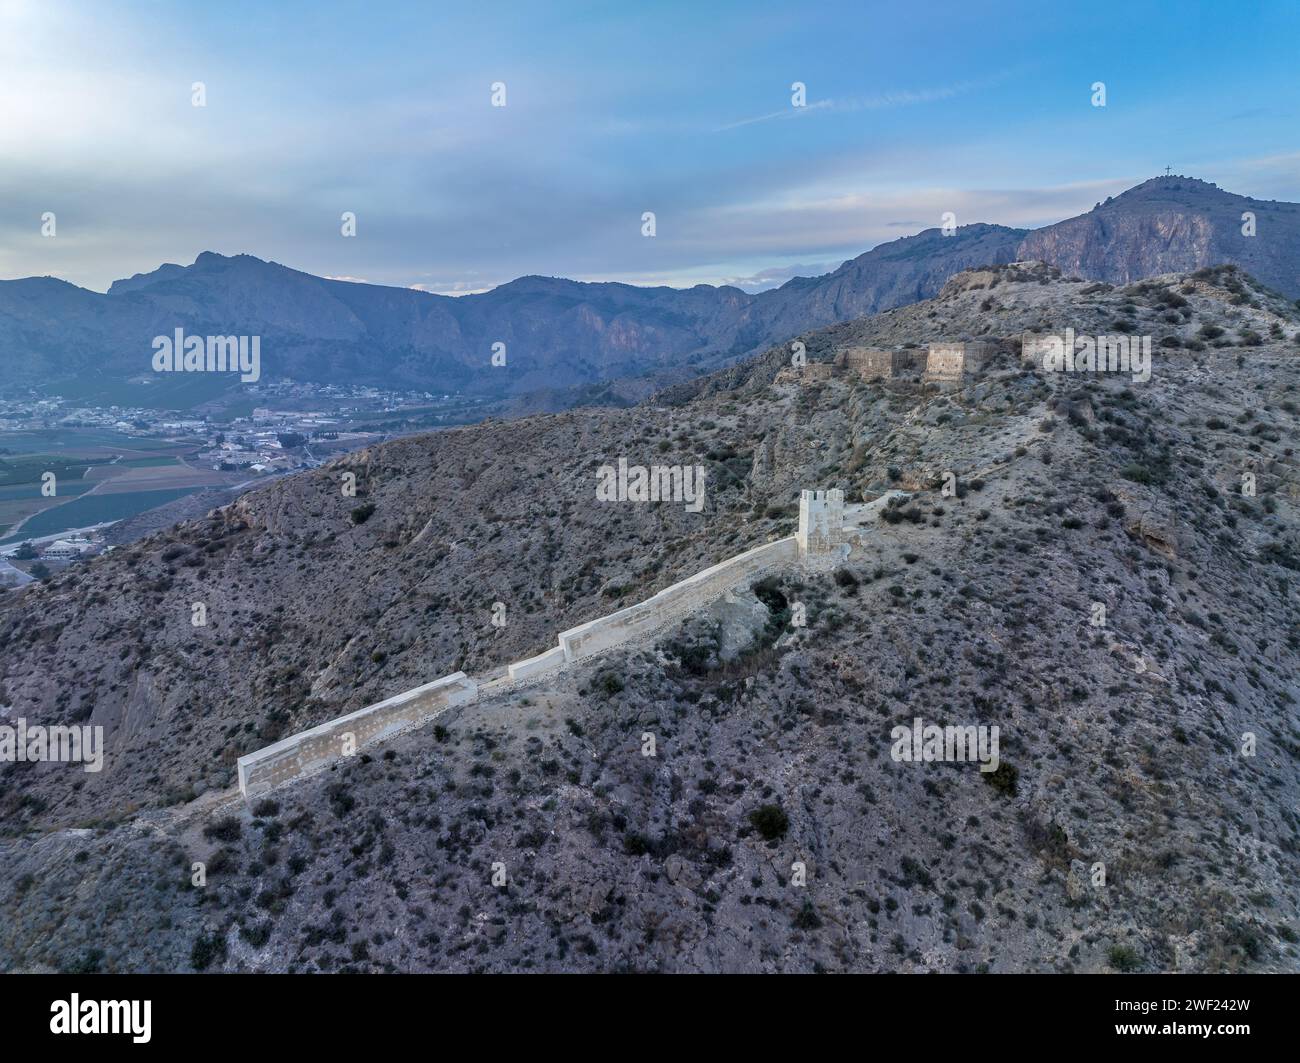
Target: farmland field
<point x="96" y="509"/>
<point x="101" y="442"/>
<point x="25" y="491"/>
<point x="102" y="475"/>
<point x="28" y="469"/>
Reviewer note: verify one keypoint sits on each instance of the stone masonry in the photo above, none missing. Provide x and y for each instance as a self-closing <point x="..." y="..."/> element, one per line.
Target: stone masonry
<point x="955" y="363"/>
<point x="821" y="522"/>
<point x="871" y="363"/>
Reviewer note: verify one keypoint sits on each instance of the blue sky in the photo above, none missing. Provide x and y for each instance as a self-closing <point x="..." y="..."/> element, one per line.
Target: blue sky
<point x="683" y="109"/>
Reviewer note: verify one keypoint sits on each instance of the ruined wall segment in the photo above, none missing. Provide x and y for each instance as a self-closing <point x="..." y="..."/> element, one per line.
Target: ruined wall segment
<point x="875" y="363"/>
<point x="317" y="748"/>
<point x="676" y="602"/>
<point x="1033" y="347"/>
<point x="954" y="363"/>
<point x="804" y="374"/>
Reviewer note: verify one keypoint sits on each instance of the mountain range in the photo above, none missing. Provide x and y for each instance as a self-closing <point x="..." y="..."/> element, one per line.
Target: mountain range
<point x="563" y="335"/>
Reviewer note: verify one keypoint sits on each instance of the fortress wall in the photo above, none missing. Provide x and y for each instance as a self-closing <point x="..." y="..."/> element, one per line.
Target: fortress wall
<point x="861" y="512"/>
<point x="952" y="361"/>
<point x="312" y="750"/>
<point x="543" y="662"/>
<point x="317" y="748"/>
<point x="874" y="362"/>
<point x="1033" y="347"/>
<point x="946" y="361"/>
<point x="675" y="602"/>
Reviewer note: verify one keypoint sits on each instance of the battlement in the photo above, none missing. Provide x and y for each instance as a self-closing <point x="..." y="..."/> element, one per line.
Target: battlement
<point x="831" y="496"/>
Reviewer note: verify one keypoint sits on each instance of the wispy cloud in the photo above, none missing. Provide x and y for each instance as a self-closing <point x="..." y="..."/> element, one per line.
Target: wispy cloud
<point x="788" y="112"/>
<point x="880" y="101"/>
<point x="458" y="288"/>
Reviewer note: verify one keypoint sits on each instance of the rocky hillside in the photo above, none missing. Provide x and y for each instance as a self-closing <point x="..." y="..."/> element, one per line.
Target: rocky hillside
<point x="1173" y="224"/>
<point x="1121" y="743"/>
<point x="570" y="343"/>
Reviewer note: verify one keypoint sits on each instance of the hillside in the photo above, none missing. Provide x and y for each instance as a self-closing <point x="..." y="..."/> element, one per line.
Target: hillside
<point x="1122" y="742"/>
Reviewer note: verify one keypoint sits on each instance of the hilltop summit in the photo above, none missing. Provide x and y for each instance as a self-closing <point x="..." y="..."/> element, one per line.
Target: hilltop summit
<point x="1175" y="224"/>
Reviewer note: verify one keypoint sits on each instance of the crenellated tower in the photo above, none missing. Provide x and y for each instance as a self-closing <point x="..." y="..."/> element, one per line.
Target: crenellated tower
<point x="821" y="521"/>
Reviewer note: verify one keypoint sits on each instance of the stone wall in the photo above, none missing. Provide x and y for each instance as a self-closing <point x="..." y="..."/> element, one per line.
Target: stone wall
<point x="952" y="362"/>
<point x="1033" y="347"/>
<point x="310" y="751"/>
<point x="823" y="532"/>
<point x="676" y="602"/>
<point x="860" y="513"/>
<point x="534" y="666"/>
<point x="803" y="374"/>
<point x="872" y="363"/>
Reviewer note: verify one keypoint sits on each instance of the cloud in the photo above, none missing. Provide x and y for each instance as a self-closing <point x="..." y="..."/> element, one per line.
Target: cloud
<point x="453" y="196"/>
<point x="775" y="276"/>
<point x="879" y="101"/>
<point x="455" y="289"/>
<point x="788" y="112"/>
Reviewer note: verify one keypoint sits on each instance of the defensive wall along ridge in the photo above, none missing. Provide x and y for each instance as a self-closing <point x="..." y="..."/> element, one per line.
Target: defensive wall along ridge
<point x="826" y="534"/>
<point x="317" y="748"/>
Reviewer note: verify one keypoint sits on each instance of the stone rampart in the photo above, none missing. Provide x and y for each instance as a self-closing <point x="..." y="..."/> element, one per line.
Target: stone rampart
<point x="826" y="526"/>
<point x="871" y="363"/>
<point x="317" y="748"/>
<point x="533" y="666"/>
<point x="952" y="363"/>
<point x="675" y="602"/>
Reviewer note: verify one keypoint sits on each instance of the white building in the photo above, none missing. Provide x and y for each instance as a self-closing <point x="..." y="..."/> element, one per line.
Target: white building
<point x="67" y="548"/>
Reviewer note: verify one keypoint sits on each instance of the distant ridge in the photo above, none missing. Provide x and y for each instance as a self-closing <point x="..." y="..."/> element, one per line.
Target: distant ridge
<point x="564" y="336"/>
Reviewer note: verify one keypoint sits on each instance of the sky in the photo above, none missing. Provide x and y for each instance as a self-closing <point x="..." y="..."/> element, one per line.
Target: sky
<point x="611" y="110"/>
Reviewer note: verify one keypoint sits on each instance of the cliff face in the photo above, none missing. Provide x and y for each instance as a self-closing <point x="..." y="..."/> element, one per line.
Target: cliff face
<point x="1123" y="247"/>
<point x="1174" y="224"/>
